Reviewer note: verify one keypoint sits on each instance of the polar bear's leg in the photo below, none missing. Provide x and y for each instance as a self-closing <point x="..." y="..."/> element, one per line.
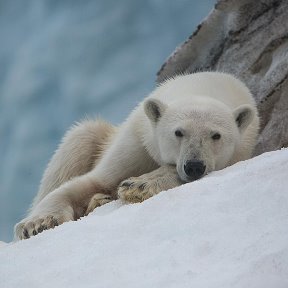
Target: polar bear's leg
<point x="77" y="154"/>
<point x="138" y="189"/>
<point x="71" y="199"/>
<point x="67" y="202"/>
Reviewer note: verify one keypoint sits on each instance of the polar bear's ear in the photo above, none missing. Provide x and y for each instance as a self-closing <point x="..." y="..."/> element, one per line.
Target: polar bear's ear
<point x="154" y="109"/>
<point x="243" y="116"/>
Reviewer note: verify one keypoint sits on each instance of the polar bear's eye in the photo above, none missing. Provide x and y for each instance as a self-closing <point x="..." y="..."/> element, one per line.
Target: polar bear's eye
<point x="216" y="136"/>
<point x="178" y="133"/>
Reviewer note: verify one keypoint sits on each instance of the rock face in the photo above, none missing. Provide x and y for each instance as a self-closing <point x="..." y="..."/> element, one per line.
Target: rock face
<point x="250" y="40"/>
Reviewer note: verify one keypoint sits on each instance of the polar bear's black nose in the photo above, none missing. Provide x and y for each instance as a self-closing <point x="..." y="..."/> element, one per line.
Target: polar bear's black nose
<point x="194" y="169"/>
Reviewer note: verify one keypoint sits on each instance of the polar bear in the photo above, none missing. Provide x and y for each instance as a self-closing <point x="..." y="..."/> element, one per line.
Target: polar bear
<point x="187" y="127"/>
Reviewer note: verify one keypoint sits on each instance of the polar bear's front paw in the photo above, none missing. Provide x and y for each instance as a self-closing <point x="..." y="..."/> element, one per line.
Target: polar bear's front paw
<point x="98" y="200"/>
<point x="34" y="225"/>
<point x="137" y="189"/>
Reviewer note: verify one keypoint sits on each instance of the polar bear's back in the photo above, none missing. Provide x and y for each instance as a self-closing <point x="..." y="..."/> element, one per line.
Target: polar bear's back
<point x="217" y="85"/>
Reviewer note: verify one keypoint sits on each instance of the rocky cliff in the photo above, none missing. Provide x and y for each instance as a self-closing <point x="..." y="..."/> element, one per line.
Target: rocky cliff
<point x="249" y="39"/>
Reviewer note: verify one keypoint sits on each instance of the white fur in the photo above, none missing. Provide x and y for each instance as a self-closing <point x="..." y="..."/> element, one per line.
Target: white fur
<point x="94" y="157"/>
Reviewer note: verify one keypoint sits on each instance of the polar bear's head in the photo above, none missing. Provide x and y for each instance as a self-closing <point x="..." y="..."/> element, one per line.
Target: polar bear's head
<point x="196" y="137"/>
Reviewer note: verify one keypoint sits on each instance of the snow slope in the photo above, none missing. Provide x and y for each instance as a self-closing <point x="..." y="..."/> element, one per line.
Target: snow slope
<point x="228" y="229"/>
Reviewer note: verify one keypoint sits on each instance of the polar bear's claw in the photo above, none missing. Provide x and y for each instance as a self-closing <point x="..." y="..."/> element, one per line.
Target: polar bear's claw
<point x="25" y="234"/>
<point x="126" y="183"/>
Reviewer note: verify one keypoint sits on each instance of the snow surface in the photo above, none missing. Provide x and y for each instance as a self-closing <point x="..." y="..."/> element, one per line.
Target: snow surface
<point x="228" y="229"/>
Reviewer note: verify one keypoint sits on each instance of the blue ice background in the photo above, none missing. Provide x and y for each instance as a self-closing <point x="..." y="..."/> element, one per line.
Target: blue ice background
<point x="63" y="60"/>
